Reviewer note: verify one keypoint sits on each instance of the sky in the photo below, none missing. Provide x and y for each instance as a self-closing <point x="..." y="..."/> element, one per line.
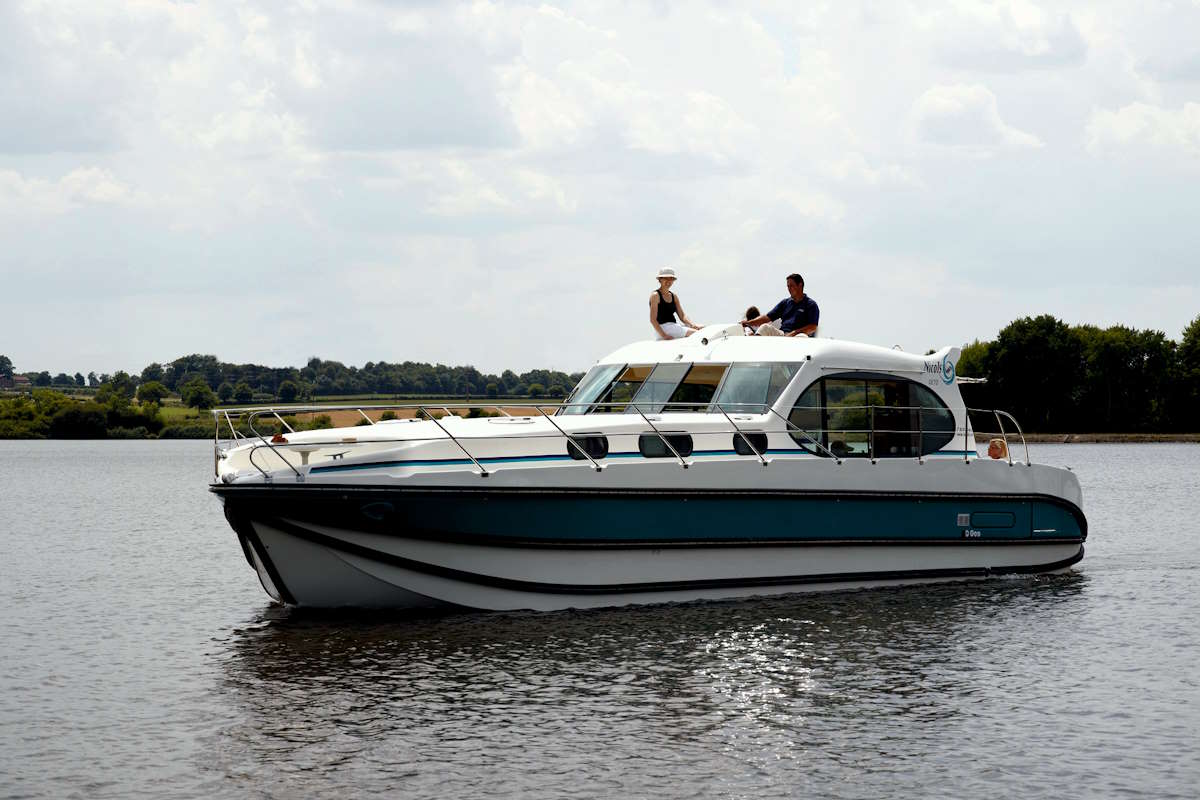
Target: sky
<point x="497" y="184"/>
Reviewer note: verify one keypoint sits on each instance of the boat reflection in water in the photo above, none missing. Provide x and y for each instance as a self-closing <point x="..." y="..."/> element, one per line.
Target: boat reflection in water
<point x="716" y="691"/>
<point x="708" y="468"/>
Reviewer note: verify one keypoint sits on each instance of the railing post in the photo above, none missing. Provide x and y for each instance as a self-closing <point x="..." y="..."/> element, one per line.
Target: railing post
<point x="483" y="473"/>
<point x="871" y="443"/>
<point x="966" y="427"/>
<point x="570" y="441"/>
<point x="920" y="436"/>
<point x="682" y="462"/>
<point x="806" y="434"/>
<point x="1003" y="436"/>
<point x="738" y="432"/>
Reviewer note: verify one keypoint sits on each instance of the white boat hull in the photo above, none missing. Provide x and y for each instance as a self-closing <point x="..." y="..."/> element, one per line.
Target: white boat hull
<point x="328" y="567"/>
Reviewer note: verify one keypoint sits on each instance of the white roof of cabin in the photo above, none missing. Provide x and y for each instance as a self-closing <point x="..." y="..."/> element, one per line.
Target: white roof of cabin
<point x="727" y="344"/>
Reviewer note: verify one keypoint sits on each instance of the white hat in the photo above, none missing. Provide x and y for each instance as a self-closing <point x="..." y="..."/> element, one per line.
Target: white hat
<point x="666" y="272"/>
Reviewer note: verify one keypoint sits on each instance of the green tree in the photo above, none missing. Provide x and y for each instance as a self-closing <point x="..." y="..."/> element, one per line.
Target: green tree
<point x="493" y="390"/>
<point x="79" y="421"/>
<point x="152" y="372"/>
<point x="198" y="394"/>
<point x="40" y="378"/>
<point x="152" y="392"/>
<point x="80" y="381"/>
<point x="225" y="392"/>
<point x="536" y="390"/>
<point x="6" y="367"/>
<point x="242" y="393"/>
<point x="1036" y="366"/>
<point x="1127" y="379"/>
<point x="92" y="380"/>
<point x="1188" y="372"/>
<point x="288" y="390"/>
<point x="118" y="390"/>
<point x="62" y="379"/>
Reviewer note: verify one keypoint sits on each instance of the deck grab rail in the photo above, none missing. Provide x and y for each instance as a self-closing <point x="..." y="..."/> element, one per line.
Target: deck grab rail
<point x="815" y="438"/>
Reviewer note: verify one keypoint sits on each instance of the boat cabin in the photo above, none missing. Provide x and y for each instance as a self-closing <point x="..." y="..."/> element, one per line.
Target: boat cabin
<point x="854" y="400"/>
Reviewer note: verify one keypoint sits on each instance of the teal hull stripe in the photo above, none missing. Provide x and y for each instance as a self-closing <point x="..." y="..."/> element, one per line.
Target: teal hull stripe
<point x="451" y="462"/>
<point x="597" y="517"/>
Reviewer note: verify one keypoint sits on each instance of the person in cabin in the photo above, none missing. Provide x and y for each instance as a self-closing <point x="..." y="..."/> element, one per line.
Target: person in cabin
<point x="797" y="313"/>
<point x="665" y="307"/>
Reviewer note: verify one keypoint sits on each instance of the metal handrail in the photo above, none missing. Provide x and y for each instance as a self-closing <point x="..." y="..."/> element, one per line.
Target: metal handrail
<point x="1020" y="433"/>
<point x="483" y="473"/>
<point x="570" y="439"/>
<point x="251" y="414"/>
<point x="670" y="447"/>
<point x="806" y="435"/>
<point x="744" y="438"/>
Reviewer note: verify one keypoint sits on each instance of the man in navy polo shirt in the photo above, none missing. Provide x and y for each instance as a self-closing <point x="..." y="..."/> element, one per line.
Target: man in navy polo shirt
<point x="797" y="313"/>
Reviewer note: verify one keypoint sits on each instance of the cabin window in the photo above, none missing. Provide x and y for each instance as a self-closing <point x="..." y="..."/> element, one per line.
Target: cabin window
<point x="859" y="415"/>
<point x="622" y="390"/>
<point x="658" y="388"/>
<point x="696" y="391"/>
<point x="751" y="388"/>
<point x="595" y="446"/>
<point x="651" y="445"/>
<point x="594" y="384"/>
<point x="678" y="387"/>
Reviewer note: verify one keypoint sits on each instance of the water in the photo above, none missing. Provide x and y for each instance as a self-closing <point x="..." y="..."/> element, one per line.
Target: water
<point x="139" y="656"/>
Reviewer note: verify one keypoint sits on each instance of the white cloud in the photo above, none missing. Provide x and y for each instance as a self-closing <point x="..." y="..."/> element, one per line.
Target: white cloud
<point x="1140" y="126"/>
<point x="855" y="168"/>
<point x="553" y="157"/>
<point x="1006" y="36"/>
<point x="77" y="188"/>
<point x="965" y="118"/>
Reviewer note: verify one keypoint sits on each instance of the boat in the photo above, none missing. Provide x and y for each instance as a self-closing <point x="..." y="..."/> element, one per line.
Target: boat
<point x="713" y="467"/>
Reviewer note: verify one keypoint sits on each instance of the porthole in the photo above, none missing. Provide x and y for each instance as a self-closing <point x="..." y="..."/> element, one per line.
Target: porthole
<point x="594" y="446"/>
<point x="651" y="445"/>
<point x="746" y="443"/>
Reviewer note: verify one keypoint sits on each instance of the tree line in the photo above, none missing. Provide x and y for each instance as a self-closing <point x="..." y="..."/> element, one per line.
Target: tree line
<point x="204" y="380"/>
<point x="1060" y="378"/>
<point x="1054" y="377"/>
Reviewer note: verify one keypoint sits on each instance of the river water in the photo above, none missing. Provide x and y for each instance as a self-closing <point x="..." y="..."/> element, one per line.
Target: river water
<point x="139" y="656"/>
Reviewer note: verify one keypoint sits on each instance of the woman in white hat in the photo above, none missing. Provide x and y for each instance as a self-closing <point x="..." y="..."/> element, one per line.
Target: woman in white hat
<point x="665" y="306"/>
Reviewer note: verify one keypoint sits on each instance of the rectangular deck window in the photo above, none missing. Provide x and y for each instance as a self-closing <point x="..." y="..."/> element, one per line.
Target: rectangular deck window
<point x="657" y="389"/>
<point x="751" y="388"/>
<point x="695" y="392"/>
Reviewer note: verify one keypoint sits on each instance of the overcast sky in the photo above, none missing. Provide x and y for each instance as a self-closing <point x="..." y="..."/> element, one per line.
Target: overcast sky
<point x="496" y="184"/>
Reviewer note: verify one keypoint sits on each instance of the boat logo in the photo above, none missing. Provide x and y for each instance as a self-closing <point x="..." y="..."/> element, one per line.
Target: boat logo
<point x="945" y="369"/>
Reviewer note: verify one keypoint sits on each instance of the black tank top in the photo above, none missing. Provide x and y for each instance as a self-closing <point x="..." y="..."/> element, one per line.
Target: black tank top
<point x="666" y="311"/>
